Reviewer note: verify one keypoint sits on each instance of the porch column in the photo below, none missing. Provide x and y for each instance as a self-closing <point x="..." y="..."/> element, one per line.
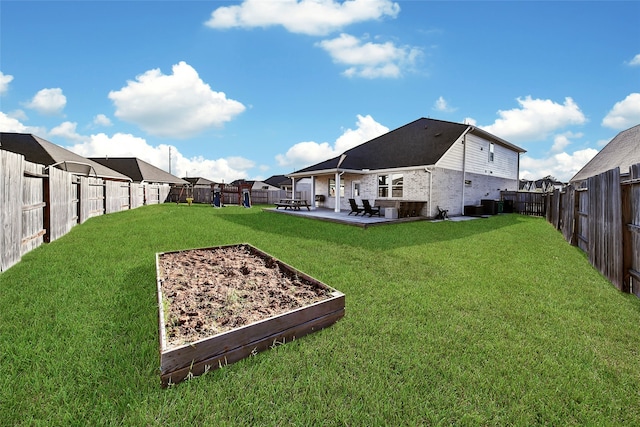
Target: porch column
<point x="337" y="206"/>
<point x="293" y="188"/>
<point x="312" y="196"/>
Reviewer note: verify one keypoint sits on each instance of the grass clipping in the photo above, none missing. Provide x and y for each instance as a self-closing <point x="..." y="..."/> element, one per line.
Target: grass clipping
<point x="210" y="291"/>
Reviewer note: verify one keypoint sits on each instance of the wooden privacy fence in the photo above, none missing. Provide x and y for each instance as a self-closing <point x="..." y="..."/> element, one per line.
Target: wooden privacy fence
<point x="258" y="197"/>
<point x="39" y="204"/>
<point x="526" y="202"/>
<point x="602" y="217"/>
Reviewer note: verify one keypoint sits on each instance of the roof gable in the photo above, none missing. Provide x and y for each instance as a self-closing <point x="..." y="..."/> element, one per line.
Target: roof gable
<point x="139" y="170"/>
<point x="197" y="180"/>
<point x="419" y="143"/>
<point x="38" y="150"/>
<point x="623" y="151"/>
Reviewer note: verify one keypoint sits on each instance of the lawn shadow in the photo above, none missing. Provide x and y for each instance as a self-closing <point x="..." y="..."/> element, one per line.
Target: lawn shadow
<point x="132" y="327"/>
<point x="380" y="237"/>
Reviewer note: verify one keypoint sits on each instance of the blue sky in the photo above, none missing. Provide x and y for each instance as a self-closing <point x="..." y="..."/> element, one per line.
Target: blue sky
<point x="255" y="88"/>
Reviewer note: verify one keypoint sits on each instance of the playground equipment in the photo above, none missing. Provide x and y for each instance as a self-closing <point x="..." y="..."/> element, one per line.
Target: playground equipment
<point x="246" y="198"/>
<point x="188" y="194"/>
<point x="231" y="194"/>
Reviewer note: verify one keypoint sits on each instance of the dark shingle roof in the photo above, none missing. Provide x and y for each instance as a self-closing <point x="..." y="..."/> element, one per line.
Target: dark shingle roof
<point x="139" y="170"/>
<point x="421" y="142"/>
<point x="41" y="151"/>
<point x="278" y="180"/>
<point x="623" y="151"/>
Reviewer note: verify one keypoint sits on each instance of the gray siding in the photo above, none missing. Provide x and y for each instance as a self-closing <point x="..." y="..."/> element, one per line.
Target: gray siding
<point x="452" y="159"/>
<point x="504" y="164"/>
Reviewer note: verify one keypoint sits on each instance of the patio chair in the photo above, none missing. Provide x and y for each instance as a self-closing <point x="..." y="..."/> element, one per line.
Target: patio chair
<point x="354" y="207"/>
<point x="368" y="209"/>
<point x="443" y="213"/>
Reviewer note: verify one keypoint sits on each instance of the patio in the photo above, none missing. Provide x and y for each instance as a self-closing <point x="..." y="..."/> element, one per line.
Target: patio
<point x="343" y="217"/>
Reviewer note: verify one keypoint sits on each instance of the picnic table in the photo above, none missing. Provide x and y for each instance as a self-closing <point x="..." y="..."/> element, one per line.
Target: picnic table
<point x="293" y="204"/>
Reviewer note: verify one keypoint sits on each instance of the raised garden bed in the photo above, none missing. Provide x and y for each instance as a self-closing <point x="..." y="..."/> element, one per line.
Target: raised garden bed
<point x="221" y="304"/>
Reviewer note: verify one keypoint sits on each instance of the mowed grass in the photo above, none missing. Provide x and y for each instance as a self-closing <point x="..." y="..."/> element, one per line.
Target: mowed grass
<point x="487" y="322"/>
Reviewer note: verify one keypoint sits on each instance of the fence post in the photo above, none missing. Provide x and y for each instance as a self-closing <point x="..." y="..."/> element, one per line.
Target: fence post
<point x="46" y="194"/>
<point x="627" y="252"/>
<point x="576" y="215"/>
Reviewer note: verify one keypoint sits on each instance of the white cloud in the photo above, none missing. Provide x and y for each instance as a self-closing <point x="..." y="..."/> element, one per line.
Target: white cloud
<point x="470" y="121"/>
<point x="313" y="17"/>
<point x="127" y="145"/>
<point x="102" y="120"/>
<point x="11" y="124"/>
<point x="536" y="119"/>
<point x="562" y="166"/>
<point x="441" y="104"/>
<point x="561" y="141"/>
<point x="624" y="114"/>
<point x="635" y="62"/>
<point x="307" y="153"/>
<point x="67" y="130"/>
<point x="5" y="79"/>
<point x="48" y="101"/>
<point x="178" y="105"/>
<point x="368" y="59"/>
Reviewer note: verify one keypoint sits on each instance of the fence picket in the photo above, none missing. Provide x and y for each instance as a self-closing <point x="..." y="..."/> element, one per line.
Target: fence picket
<point x="39" y="204"/>
<point x="603" y="219"/>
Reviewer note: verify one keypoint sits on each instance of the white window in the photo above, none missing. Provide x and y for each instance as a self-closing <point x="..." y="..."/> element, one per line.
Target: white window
<point x="491" y="149"/>
<point x="390" y="185"/>
<point x="332" y="188"/>
<point x="356" y="189"/>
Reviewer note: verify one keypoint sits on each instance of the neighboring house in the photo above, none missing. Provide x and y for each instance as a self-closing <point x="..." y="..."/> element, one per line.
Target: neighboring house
<point x="623" y="151"/>
<point x="41" y="151"/>
<point x="139" y="171"/>
<point x="437" y="163"/>
<point x="281" y="182"/>
<point x="199" y="182"/>
<point x="201" y="190"/>
<point x="548" y="184"/>
<point x="255" y="185"/>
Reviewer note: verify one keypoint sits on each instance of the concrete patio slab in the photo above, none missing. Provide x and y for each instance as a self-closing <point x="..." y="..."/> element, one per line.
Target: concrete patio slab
<point x="343" y="217"/>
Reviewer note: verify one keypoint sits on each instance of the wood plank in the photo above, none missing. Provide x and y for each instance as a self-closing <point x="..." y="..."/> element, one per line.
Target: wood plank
<point x="250" y="348"/>
<point x="176" y="363"/>
<point x="33" y="207"/>
<point x="12" y="168"/>
<point x="180" y="357"/>
<point x="35" y="236"/>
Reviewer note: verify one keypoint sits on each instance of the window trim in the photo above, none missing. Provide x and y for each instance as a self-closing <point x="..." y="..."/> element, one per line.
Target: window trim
<point x="389" y="188"/>
<point x="332" y="184"/>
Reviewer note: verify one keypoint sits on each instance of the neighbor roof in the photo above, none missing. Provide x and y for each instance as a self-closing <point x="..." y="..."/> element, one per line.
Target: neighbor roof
<point x="278" y="180"/>
<point x="139" y="170"/>
<point x="197" y="180"/>
<point x="623" y="151"/>
<point x="421" y="142"/>
<point x="38" y="150"/>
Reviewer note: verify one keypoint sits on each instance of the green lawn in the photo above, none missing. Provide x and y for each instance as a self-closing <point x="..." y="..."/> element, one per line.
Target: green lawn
<point x="487" y="322"/>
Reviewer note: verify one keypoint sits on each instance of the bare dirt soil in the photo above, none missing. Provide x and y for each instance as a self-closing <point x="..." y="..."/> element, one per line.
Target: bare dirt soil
<point x="209" y="291"/>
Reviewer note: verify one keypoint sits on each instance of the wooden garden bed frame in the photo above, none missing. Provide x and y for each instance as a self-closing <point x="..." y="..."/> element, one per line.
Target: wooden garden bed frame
<point x="197" y="358"/>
